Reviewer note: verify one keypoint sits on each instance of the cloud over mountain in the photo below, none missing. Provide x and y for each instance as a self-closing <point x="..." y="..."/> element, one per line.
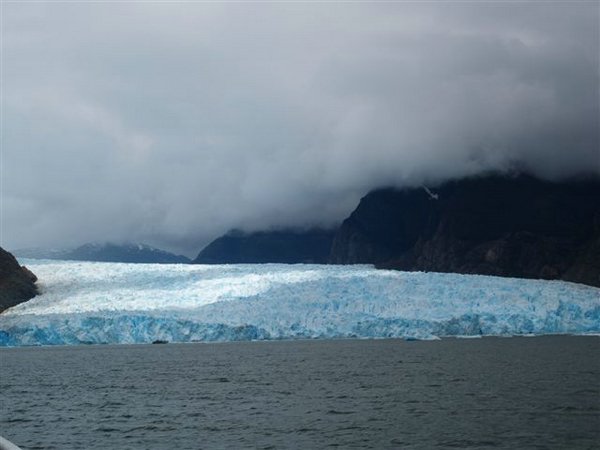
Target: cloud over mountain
<point x="172" y="122"/>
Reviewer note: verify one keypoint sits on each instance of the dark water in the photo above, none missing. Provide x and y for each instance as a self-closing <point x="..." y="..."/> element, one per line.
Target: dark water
<point x="517" y="393"/>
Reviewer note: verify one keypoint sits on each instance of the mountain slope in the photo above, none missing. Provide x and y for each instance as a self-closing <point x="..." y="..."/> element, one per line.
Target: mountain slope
<point x="279" y="246"/>
<point x="492" y="225"/>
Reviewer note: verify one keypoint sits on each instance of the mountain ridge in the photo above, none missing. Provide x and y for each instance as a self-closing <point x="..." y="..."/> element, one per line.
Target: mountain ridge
<point x="270" y="246"/>
<point x="516" y="226"/>
<point x="107" y="252"/>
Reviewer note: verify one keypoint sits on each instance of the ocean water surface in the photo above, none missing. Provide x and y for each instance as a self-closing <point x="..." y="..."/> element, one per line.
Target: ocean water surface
<point x="488" y="393"/>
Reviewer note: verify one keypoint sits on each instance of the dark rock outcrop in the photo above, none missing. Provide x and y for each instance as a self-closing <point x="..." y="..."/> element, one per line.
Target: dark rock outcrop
<point x="108" y="252"/>
<point x="17" y="283"/>
<point x="494" y="225"/>
<point x="280" y="246"/>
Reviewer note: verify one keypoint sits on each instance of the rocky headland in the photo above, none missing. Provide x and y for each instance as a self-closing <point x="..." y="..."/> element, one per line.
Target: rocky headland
<point x="17" y="283"/>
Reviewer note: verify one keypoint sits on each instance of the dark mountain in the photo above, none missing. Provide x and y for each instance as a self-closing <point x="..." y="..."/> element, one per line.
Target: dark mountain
<point x="126" y="253"/>
<point x="495" y="225"/>
<point x="17" y="283"/>
<point x="280" y="246"/>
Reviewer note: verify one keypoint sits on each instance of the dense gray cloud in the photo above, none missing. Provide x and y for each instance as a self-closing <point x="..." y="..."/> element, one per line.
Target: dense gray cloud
<point x="170" y="123"/>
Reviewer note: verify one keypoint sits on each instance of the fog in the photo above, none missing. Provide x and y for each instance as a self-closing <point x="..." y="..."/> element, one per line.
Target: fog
<point x="170" y="123"/>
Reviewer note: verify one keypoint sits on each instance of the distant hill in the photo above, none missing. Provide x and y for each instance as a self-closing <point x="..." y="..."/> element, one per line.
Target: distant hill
<point x="107" y="252"/>
<point x="279" y="246"/>
<point x="17" y="283"/>
<point x="492" y="225"/>
<point x="40" y="253"/>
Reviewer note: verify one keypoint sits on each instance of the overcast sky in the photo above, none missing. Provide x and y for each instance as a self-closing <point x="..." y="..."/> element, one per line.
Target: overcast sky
<point x="170" y="123"/>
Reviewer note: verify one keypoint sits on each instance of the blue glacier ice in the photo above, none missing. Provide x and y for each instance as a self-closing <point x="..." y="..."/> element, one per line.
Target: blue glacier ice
<point x="86" y="302"/>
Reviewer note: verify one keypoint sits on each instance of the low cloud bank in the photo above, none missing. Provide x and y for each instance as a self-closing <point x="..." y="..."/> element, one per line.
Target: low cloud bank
<point x="172" y="123"/>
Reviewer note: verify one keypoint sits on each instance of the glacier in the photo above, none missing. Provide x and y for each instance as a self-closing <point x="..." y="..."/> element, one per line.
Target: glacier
<point x="94" y="303"/>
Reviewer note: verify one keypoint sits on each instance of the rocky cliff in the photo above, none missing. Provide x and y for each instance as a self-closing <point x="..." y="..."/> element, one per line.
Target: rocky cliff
<point x="17" y="283"/>
<point x="493" y="225"/>
<point x="279" y="246"/>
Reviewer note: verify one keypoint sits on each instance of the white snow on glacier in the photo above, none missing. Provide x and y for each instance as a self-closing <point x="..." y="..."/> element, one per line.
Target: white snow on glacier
<point x="85" y="302"/>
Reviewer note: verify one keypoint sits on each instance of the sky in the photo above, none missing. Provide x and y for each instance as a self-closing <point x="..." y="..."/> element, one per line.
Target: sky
<point x="170" y="123"/>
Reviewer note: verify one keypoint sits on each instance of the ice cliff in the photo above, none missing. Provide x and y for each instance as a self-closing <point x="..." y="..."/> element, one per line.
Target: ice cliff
<point x="83" y="302"/>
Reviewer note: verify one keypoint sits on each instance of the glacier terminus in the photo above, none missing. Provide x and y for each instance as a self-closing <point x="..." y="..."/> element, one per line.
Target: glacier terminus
<point x="95" y="303"/>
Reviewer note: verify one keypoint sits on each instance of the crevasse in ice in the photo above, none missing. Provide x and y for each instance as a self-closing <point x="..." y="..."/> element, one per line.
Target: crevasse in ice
<point x="84" y="302"/>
